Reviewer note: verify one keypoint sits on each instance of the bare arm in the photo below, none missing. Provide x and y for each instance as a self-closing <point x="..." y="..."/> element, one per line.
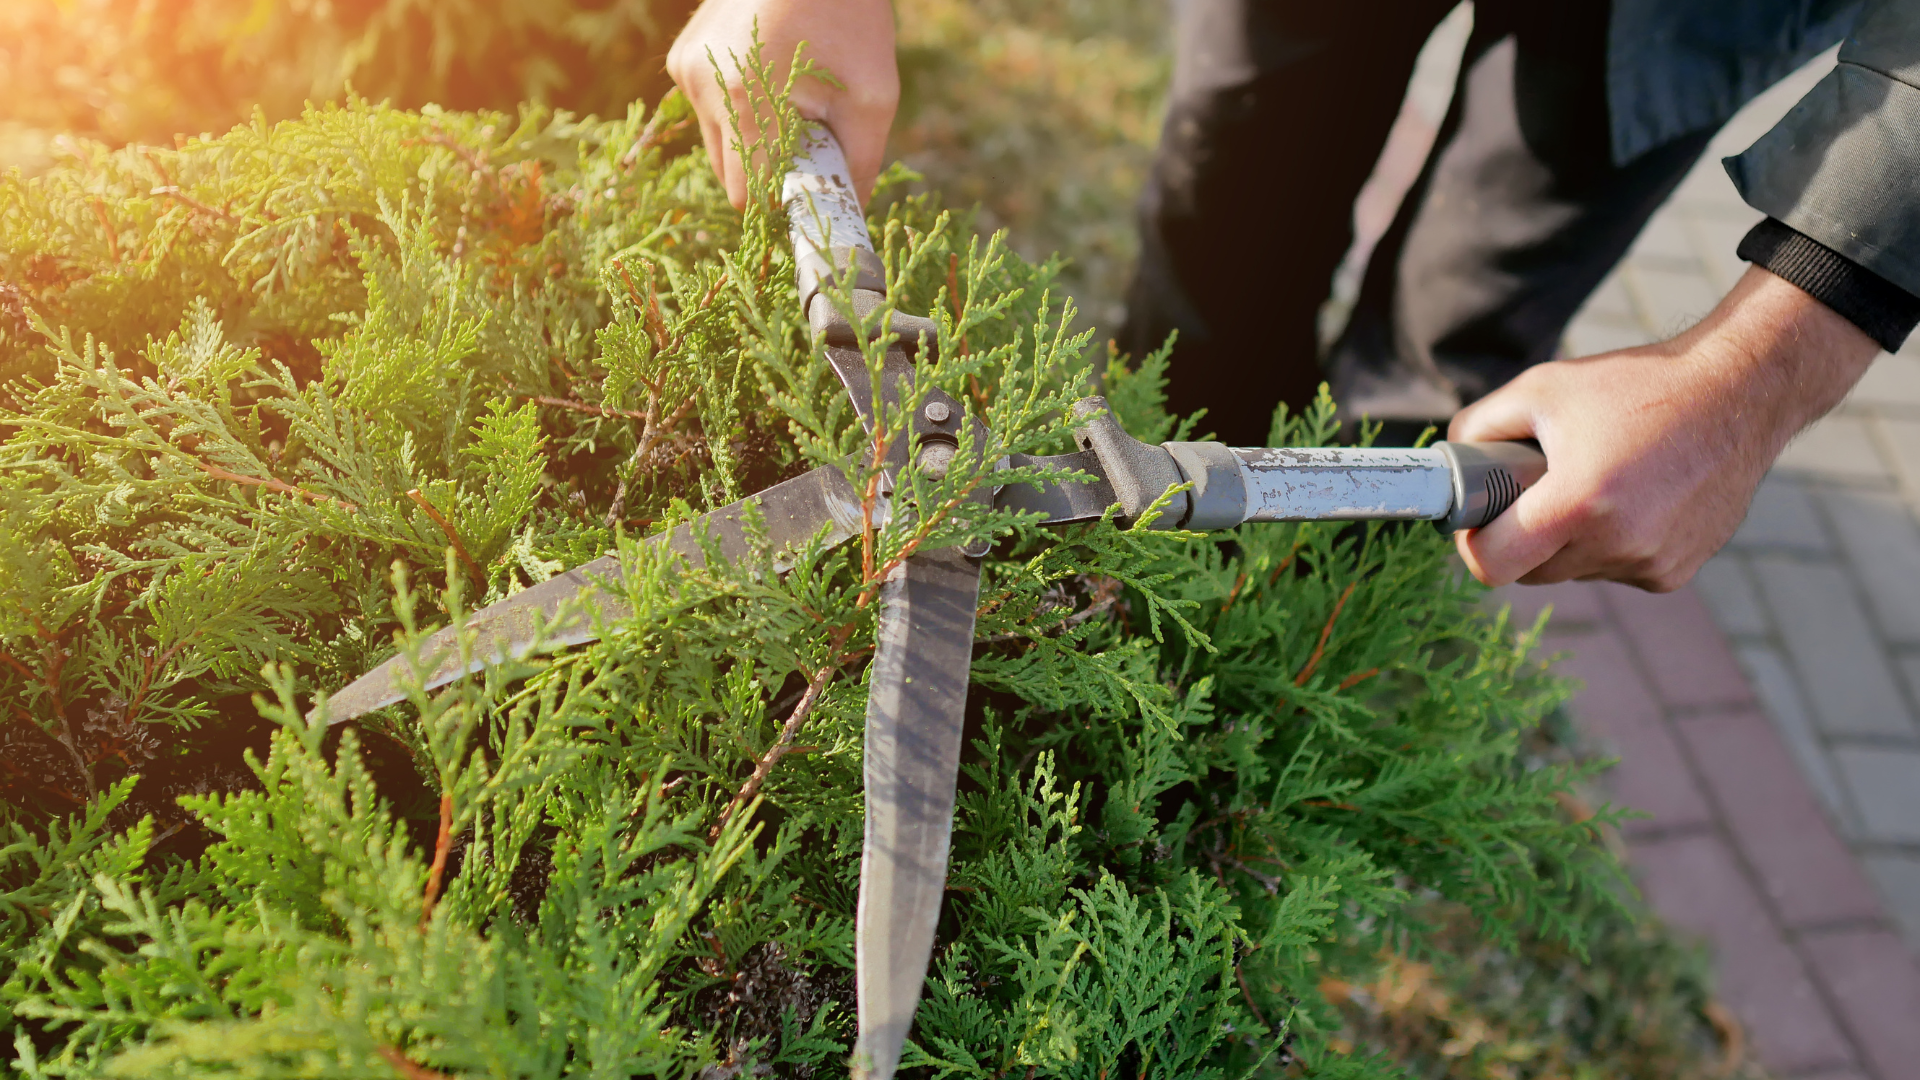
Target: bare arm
<point x="1655" y="452"/>
<point x="852" y="39"/>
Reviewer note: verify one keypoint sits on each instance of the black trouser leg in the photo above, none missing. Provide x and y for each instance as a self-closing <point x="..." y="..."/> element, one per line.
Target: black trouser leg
<point x="1278" y="111"/>
<point x="1518" y="215"/>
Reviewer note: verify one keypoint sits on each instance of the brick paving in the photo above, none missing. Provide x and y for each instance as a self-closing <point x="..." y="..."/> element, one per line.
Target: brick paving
<point x="1736" y="848"/>
<point x="1820" y="590"/>
<point x="1766" y="719"/>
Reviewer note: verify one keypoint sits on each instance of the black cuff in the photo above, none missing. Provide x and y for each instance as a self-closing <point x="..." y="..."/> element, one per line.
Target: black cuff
<point x="1882" y="310"/>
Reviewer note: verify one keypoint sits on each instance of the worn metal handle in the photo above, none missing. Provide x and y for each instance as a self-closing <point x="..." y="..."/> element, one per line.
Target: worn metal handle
<point x="825" y="221"/>
<point x="1455" y="485"/>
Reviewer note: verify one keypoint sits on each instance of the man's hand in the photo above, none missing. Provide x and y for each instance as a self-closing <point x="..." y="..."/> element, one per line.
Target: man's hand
<point x="851" y="39"/>
<point x="1654" y="453"/>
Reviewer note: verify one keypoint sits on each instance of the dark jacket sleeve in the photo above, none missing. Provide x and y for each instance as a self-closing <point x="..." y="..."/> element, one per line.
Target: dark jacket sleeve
<point x="1843" y="167"/>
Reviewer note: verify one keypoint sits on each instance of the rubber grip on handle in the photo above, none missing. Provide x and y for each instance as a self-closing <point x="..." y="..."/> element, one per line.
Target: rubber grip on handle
<point x="1487" y="478"/>
<point x="824" y="219"/>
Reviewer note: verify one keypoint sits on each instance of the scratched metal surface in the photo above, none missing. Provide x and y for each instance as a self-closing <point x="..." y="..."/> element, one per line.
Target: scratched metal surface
<point x="822" y="210"/>
<point x="1345" y="484"/>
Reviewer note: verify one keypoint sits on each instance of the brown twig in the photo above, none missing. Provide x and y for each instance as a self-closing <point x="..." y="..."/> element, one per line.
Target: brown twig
<point x="25" y="671"/>
<point x="1320" y="648"/>
<point x="1234" y="593"/>
<point x="1358" y="677"/>
<point x="1274" y="578"/>
<point x="583" y="407"/>
<point x="113" y="236"/>
<point x="907" y="550"/>
<point x="1247" y="992"/>
<point x="272" y="484"/>
<point x="407" y="1068"/>
<point x="56" y="662"/>
<point x="649" y="436"/>
<point x="149" y="665"/>
<point x="783" y="745"/>
<point x="441" y="844"/>
<point x="173" y="191"/>
<point x="459" y="549"/>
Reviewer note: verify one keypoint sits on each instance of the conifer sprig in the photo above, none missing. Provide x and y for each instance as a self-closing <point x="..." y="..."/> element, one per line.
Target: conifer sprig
<point x="347" y="378"/>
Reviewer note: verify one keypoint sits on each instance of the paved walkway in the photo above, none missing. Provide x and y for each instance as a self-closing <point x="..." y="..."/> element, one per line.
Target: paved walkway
<point x="1820" y="591"/>
<point x="1765" y="719"/>
<point x="1735" y="848"/>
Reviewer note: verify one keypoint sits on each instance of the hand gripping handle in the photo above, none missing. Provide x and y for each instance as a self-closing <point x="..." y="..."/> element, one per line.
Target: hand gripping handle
<point x="1487" y="478"/>
<point x="825" y="221"/>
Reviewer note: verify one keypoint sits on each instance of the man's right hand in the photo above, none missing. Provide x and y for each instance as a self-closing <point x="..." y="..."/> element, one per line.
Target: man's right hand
<point x="851" y="39"/>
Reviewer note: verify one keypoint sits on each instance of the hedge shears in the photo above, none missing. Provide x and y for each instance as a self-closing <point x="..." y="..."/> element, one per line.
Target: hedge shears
<point x="925" y="633"/>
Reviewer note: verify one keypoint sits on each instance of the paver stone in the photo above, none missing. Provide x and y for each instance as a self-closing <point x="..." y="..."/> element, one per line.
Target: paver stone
<point x="1620" y="709"/>
<point x="1677" y="643"/>
<point x="1834" y="650"/>
<point x="1885" y="783"/>
<point x="1881" y="541"/>
<point x="1697" y="885"/>
<point x="1801" y="863"/>
<point x="1877" y="988"/>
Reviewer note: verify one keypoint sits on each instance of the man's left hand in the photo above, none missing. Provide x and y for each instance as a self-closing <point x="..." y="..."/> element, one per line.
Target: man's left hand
<point x="1654" y="453"/>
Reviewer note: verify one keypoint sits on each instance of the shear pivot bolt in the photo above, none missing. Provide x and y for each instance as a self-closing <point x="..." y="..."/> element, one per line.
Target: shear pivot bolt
<point x="938" y="412"/>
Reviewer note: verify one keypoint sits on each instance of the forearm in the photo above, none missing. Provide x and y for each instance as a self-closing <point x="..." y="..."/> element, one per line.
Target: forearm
<point x="1787" y="356"/>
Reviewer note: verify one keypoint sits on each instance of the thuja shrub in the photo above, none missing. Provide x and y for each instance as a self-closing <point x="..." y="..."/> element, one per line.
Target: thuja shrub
<point x="279" y="403"/>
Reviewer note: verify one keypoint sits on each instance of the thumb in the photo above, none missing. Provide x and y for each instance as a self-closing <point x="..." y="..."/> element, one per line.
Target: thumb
<point x="1534" y="528"/>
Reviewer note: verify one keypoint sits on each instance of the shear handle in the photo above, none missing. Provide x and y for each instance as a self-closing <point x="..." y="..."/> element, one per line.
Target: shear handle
<point x="825" y="220"/>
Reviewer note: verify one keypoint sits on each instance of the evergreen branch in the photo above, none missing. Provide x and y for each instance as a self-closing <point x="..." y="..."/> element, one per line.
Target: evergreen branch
<point x="407" y="1069"/>
<point x="1246" y="994"/>
<point x="583" y="407"/>
<point x="1320" y="647"/>
<point x="442" y="843"/>
<point x="173" y="191"/>
<point x="271" y="484"/>
<point x="460" y="549"/>
<point x="783" y="744"/>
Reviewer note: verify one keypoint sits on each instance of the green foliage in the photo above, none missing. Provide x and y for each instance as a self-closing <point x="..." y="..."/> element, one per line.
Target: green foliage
<point x="280" y="402"/>
<point x="144" y="70"/>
